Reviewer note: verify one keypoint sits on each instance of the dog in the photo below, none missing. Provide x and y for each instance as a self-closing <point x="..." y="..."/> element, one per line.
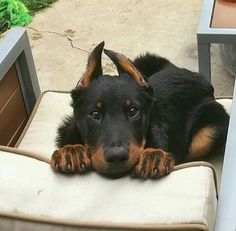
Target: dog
<point x="142" y="122"/>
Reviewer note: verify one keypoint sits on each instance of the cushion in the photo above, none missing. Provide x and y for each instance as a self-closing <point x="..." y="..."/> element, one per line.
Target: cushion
<point x="226" y="102"/>
<point x="40" y="132"/>
<point x="33" y="197"/>
<point x="30" y="190"/>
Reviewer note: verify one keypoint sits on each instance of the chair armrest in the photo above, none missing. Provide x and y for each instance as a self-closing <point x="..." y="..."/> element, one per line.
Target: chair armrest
<point x="19" y="87"/>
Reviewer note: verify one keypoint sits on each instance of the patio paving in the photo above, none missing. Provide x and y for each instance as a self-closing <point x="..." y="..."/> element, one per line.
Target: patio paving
<point x="61" y="37"/>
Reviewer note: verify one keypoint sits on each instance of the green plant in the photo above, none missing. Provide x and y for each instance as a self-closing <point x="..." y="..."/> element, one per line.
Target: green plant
<point x="37" y="5"/>
<point x="18" y="13"/>
<point x="13" y="13"/>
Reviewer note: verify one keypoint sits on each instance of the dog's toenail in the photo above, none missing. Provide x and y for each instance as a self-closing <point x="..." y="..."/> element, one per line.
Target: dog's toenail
<point x="57" y="166"/>
<point x="82" y="166"/>
<point x="167" y="169"/>
<point x="155" y="171"/>
<point x="69" y="166"/>
<point x="142" y="173"/>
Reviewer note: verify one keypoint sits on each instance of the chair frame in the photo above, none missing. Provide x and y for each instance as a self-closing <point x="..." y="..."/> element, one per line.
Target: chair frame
<point x="207" y="35"/>
<point x="15" y="50"/>
<point x="225" y="217"/>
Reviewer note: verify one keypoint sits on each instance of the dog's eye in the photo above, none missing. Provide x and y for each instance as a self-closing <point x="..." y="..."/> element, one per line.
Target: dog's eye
<point x="133" y="111"/>
<point x="95" y="115"/>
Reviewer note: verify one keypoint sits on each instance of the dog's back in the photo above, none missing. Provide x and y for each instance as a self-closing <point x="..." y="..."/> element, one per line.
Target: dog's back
<point x="149" y="64"/>
<point x="183" y="105"/>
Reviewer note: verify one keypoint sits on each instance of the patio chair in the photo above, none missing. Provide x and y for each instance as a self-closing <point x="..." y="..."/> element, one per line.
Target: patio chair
<point x="33" y="197"/>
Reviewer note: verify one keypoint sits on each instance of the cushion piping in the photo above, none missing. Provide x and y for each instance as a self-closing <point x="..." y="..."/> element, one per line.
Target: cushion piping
<point x="38" y="103"/>
<point x="28" y="217"/>
<point x="48" y="161"/>
<point x="33" y="114"/>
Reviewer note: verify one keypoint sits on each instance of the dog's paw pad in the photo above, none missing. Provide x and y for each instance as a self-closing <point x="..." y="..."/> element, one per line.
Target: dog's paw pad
<point x="153" y="163"/>
<point x="71" y="159"/>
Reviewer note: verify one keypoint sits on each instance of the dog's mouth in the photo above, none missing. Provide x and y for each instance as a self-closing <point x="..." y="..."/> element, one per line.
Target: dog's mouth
<point x="117" y="170"/>
<point x="116" y="174"/>
<point x="113" y="170"/>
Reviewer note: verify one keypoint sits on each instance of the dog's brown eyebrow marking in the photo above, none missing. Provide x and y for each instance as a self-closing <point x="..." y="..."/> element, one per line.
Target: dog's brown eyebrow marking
<point x="128" y="102"/>
<point x="99" y="104"/>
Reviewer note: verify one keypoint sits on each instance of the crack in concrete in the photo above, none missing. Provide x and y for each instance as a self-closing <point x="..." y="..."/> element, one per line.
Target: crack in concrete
<point x="71" y="41"/>
<point x="61" y="35"/>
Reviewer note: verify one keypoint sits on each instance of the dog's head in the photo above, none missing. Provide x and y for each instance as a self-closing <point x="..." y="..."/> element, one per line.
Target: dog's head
<point x="112" y="113"/>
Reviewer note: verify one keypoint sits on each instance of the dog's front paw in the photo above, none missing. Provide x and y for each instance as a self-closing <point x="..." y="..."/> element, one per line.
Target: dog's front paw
<point x="71" y="159"/>
<point x="153" y="163"/>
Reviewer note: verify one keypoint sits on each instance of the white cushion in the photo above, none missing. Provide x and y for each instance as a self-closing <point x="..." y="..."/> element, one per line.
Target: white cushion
<point x="41" y="133"/>
<point x="226" y="102"/>
<point x="32" y="192"/>
<point x="30" y="189"/>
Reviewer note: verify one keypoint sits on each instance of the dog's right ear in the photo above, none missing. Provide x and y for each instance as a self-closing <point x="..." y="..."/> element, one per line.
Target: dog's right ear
<point x="94" y="66"/>
<point x="123" y="64"/>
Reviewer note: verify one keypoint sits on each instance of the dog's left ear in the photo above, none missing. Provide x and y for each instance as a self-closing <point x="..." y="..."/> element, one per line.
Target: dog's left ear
<point x="123" y="64"/>
<point x="94" y="66"/>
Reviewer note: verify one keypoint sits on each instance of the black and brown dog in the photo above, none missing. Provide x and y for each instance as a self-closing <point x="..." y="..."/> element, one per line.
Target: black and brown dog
<point x="143" y="121"/>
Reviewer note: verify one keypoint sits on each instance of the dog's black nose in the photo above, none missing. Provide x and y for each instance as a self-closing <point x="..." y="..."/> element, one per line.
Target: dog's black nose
<point x="116" y="155"/>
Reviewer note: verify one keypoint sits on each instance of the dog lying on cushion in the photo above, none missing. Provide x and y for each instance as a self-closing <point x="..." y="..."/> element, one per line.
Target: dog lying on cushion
<point x="142" y="122"/>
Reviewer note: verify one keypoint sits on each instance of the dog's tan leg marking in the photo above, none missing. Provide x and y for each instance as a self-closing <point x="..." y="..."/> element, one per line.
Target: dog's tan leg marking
<point x="71" y="159"/>
<point x="154" y="163"/>
<point x="202" y="143"/>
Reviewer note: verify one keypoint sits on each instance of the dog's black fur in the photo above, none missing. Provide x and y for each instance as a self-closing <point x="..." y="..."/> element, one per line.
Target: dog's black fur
<point x="122" y="125"/>
<point x="183" y="104"/>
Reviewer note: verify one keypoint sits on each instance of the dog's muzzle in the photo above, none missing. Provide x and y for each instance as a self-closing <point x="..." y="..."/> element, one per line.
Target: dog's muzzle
<point x="115" y="161"/>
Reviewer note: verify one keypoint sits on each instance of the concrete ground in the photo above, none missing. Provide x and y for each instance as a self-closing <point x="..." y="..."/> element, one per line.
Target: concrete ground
<point x="62" y="36"/>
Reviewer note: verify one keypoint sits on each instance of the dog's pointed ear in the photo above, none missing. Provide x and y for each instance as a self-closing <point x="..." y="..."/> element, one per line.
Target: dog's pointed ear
<point x="123" y="64"/>
<point x="94" y="66"/>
